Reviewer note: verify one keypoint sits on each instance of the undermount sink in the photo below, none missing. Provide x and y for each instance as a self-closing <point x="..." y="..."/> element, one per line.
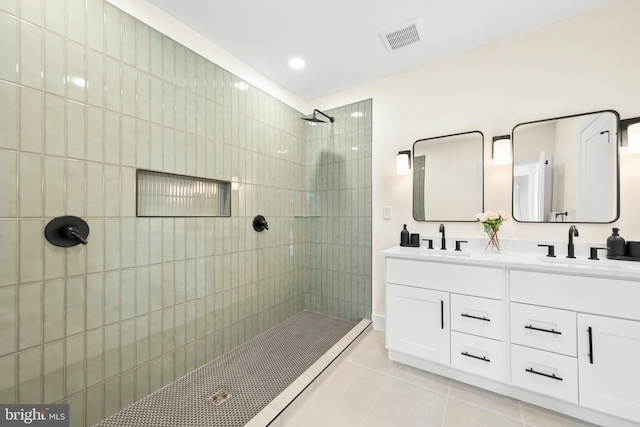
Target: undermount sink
<point x="441" y="253"/>
<point x="590" y="263"/>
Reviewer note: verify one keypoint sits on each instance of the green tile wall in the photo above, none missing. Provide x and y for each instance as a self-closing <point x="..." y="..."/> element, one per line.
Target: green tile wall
<point x="338" y="222"/>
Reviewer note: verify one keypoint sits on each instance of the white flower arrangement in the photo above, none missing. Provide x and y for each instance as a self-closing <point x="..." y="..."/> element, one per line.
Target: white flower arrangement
<point x="492" y="221"/>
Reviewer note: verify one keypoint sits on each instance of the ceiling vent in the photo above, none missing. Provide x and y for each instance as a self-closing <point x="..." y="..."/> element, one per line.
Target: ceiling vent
<point x="402" y="35"/>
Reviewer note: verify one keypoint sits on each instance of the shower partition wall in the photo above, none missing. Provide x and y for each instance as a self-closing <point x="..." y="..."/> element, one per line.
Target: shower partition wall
<point x="338" y="214"/>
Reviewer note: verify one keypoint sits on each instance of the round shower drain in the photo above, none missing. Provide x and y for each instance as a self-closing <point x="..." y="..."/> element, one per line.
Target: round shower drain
<point x="219" y="397"/>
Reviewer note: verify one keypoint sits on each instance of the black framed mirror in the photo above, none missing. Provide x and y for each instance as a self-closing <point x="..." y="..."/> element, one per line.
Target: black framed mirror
<point x="566" y="169"/>
<point x="448" y="177"/>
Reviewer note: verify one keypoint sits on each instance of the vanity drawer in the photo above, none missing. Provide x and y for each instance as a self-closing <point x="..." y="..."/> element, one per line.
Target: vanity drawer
<point x="544" y="328"/>
<point x="477" y="316"/>
<point x="580" y="293"/>
<point x="456" y="278"/>
<point x="480" y="356"/>
<point x="546" y="373"/>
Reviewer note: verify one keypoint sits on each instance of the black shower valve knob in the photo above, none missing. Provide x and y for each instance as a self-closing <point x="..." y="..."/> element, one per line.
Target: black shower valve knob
<point x="67" y="231"/>
<point x="260" y="223"/>
<point x="71" y="232"/>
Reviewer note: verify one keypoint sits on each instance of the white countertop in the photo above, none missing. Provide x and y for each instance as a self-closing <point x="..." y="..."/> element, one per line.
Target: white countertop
<point x="522" y="261"/>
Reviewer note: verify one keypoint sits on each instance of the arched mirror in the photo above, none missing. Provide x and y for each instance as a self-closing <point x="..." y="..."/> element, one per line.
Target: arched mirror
<point x="566" y="169"/>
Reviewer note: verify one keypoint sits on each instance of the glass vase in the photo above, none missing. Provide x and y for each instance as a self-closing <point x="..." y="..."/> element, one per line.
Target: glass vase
<point x="494" y="243"/>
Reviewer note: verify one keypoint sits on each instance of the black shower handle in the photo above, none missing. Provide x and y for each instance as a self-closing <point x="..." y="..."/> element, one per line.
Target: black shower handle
<point x="260" y="223"/>
<point x="71" y="232"/>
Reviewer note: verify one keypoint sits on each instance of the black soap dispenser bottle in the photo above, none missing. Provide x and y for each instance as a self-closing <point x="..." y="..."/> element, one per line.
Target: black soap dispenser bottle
<point x="404" y="236"/>
<point x="615" y="244"/>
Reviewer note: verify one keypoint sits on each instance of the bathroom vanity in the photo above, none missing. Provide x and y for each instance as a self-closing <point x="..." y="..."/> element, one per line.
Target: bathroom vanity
<point x="555" y="332"/>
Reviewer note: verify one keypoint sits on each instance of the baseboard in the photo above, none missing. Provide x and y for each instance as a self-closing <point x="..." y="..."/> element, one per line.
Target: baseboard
<point x="379" y="322"/>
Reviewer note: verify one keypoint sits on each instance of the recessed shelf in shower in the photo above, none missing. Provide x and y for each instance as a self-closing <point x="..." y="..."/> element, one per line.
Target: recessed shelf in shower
<point x="168" y="195"/>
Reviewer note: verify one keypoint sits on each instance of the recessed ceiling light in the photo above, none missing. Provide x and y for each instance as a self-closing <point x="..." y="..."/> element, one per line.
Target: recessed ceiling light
<point x="296" y="63"/>
<point x="242" y="86"/>
<point x="357" y="114"/>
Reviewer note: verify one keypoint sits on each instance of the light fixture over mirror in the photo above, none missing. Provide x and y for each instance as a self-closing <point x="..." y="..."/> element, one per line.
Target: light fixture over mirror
<point x="566" y="169"/>
<point x="403" y="162"/>
<point x="501" y="150"/>
<point x="630" y="130"/>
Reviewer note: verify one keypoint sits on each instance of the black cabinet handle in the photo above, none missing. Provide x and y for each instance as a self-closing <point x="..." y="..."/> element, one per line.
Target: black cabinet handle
<point x="484" y="359"/>
<point x="551" y="331"/>
<point x="475" y="317"/>
<point x="442" y="314"/>
<point x="552" y="376"/>
<point x="590" y="345"/>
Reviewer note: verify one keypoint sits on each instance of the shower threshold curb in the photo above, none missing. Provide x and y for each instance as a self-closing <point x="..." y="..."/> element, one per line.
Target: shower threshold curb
<point x="280" y="409"/>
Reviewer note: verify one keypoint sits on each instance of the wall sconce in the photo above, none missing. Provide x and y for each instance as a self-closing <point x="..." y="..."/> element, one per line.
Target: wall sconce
<point x="630" y="129"/>
<point x="403" y="162"/>
<point x="501" y="150"/>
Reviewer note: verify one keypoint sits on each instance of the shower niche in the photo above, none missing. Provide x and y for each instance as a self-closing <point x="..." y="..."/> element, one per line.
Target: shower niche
<point x="169" y="195"/>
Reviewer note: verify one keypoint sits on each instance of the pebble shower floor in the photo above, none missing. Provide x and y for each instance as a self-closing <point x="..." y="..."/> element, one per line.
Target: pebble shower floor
<point x="253" y="374"/>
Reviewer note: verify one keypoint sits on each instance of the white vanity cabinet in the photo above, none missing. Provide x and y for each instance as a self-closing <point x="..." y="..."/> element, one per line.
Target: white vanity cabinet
<point x="565" y="338"/>
<point x="606" y="336"/>
<point x="609" y="365"/>
<point x="419" y="323"/>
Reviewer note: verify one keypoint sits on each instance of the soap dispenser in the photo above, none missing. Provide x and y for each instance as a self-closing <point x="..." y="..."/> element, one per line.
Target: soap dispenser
<point x="615" y="244"/>
<point x="404" y="236"/>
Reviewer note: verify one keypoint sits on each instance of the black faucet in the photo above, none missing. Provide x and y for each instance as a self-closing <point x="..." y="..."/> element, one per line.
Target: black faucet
<point x="443" y="245"/>
<point x="573" y="231"/>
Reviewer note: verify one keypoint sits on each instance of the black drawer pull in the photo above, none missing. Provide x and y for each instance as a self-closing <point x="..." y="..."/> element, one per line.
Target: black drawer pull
<point x="553" y="376"/>
<point x="551" y="331"/>
<point x="442" y="314"/>
<point x="590" y="345"/>
<point x="475" y="317"/>
<point x="484" y="359"/>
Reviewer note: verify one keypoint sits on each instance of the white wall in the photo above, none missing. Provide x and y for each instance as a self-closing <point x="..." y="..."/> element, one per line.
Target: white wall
<point x="583" y="64"/>
<point x="166" y="24"/>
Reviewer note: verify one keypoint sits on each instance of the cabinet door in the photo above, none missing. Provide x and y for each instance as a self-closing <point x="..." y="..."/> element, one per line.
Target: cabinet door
<point x="418" y="322"/>
<point x="609" y="365"/>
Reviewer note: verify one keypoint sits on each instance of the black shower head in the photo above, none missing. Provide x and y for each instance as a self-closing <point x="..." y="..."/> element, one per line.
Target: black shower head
<point x="314" y="119"/>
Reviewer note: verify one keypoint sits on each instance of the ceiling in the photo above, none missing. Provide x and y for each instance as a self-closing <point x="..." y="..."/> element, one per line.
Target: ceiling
<point x="339" y="39"/>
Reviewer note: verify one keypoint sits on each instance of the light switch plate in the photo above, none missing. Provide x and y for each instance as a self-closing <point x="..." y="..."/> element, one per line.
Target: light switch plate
<point x="386" y="212"/>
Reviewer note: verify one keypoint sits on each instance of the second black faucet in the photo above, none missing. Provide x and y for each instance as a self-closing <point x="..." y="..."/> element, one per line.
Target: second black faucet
<point x="573" y="231"/>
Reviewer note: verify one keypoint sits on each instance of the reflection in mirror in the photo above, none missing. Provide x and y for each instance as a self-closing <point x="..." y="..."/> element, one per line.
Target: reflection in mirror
<point x="448" y="177"/>
<point x="566" y="169"/>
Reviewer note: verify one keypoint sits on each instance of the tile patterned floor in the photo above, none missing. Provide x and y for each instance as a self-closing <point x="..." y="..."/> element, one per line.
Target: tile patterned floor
<point x="253" y="373"/>
<point x="368" y="390"/>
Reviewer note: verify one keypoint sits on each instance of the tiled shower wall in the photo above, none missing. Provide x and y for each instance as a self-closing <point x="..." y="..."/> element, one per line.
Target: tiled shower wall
<point x="88" y="94"/>
<point x="338" y="182"/>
